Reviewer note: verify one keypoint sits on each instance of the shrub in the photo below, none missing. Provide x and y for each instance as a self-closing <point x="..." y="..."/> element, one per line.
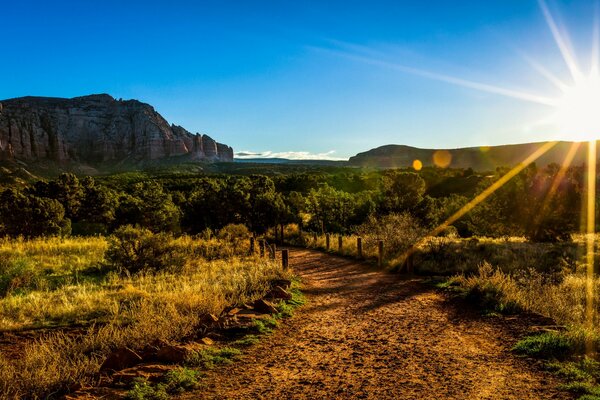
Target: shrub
<point x="234" y="233"/>
<point x="132" y="250"/>
<point x="398" y="231"/>
<point x="17" y="274"/>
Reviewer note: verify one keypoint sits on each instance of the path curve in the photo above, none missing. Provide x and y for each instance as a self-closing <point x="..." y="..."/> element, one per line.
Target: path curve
<point x="366" y="334"/>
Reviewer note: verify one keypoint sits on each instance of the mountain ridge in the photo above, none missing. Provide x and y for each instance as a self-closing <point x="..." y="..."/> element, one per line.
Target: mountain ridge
<point x="482" y="158"/>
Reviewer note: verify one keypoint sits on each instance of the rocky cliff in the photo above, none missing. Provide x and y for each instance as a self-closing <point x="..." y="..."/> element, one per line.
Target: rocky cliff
<point x="98" y="131"/>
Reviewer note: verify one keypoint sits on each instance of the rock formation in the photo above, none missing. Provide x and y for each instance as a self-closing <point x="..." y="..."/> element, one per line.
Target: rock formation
<point x="97" y="130"/>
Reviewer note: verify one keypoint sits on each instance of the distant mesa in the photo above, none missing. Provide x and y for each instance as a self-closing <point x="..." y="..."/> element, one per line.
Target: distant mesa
<point x="97" y="131"/>
<point x="485" y="158"/>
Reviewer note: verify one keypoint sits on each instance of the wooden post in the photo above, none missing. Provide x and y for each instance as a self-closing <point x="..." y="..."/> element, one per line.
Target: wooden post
<point x="261" y="247"/>
<point x="275" y="231"/>
<point x="315" y="238"/>
<point x="410" y="267"/>
<point x="359" y="247"/>
<point x="252" y="245"/>
<point x="284" y="258"/>
<point x="340" y="243"/>
<point x="380" y="258"/>
<point x="282" y="239"/>
<point x="273" y="251"/>
<point x="327" y="242"/>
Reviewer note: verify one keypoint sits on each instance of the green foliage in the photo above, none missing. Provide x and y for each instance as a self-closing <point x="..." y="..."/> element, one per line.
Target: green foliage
<point x="585" y="390"/>
<point x="175" y="381"/>
<point x="142" y="390"/>
<point x="539" y="204"/>
<point x="265" y="325"/>
<point x="334" y="210"/>
<point x="148" y="205"/>
<point x="401" y="191"/>
<point x="234" y="233"/>
<point x="132" y="250"/>
<point x="31" y="216"/>
<point x="181" y="380"/>
<point x="17" y="274"/>
<point x="66" y="189"/>
<point x="247" y="340"/>
<point x="548" y="345"/>
<point x="398" y="231"/>
<point x="211" y="357"/>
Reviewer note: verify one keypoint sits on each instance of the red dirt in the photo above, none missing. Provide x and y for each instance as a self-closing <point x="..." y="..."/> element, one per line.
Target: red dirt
<point x="366" y="334"/>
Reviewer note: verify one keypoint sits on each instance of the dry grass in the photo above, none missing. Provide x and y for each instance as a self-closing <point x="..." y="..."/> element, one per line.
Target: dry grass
<point x="561" y="299"/>
<point x="133" y="310"/>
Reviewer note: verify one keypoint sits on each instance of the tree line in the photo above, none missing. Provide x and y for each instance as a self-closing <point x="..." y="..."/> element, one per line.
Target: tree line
<point x="543" y="204"/>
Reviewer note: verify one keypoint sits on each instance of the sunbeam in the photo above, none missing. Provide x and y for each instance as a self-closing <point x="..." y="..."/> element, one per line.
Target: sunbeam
<point x="557" y="180"/>
<point x="483" y="87"/>
<point x="595" y="70"/>
<point x="590" y="238"/>
<point x="543" y="71"/>
<point x="561" y="42"/>
<point x="482" y="196"/>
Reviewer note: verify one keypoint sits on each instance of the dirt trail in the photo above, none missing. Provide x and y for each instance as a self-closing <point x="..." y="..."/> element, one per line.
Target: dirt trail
<point x="366" y="334"/>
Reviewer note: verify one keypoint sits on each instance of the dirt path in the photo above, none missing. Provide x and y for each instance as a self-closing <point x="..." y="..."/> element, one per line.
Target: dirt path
<point x="366" y="334"/>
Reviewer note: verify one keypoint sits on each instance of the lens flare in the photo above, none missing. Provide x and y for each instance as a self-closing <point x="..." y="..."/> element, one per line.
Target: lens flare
<point x="578" y="111"/>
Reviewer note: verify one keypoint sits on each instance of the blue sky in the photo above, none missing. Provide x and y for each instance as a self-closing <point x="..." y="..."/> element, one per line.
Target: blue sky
<point x="305" y="76"/>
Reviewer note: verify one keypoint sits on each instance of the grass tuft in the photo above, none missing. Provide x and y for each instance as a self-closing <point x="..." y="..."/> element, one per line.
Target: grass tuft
<point x="548" y="345"/>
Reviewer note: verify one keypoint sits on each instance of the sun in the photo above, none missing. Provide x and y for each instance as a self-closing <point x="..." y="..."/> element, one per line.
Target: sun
<point x="578" y="110"/>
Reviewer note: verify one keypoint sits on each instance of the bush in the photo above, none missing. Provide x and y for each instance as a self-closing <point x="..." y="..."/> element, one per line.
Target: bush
<point x="398" y="231"/>
<point x="17" y="275"/>
<point x="234" y="233"/>
<point x="132" y="250"/>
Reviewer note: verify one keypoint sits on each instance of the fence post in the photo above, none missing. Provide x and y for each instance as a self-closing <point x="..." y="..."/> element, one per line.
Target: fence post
<point x="359" y="247"/>
<point x="380" y="258"/>
<point x="284" y="258"/>
<point x="261" y="247"/>
<point x="252" y="245"/>
<point x="340" y="243"/>
<point x="327" y="238"/>
<point x="282" y="237"/>
<point x="410" y="267"/>
<point x="273" y="251"/>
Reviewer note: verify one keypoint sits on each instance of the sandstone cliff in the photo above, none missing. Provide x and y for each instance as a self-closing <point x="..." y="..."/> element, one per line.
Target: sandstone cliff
<point x="99" y="131"/>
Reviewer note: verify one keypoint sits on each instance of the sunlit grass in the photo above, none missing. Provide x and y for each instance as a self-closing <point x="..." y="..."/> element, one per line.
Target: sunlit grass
<point x="119" y="310"/>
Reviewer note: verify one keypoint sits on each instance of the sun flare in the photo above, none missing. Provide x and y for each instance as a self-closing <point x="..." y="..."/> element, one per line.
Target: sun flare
<point x="578" y="110"/>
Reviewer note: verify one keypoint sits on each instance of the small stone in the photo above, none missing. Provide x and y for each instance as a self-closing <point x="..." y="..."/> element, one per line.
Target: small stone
<point x="279" y="293"/>
<point x="284" y="283"/>
<point x="234" y="311"/>
<point x="177" y="353"/>
<point x="150" y="372"/>
<point x="121" y="359"/>
<point x="249" y="314"/>
<point x="265" y="307"/>
<point x="207" y="341"/>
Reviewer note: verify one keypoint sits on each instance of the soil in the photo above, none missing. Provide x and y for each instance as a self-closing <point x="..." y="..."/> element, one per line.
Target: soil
<point x="367" y="334"/>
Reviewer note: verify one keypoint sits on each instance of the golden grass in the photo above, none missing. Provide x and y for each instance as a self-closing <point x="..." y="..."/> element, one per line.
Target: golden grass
<point x="563" y="299"/>
<point x="55" y="254"/>
<point x="133" y="311"/>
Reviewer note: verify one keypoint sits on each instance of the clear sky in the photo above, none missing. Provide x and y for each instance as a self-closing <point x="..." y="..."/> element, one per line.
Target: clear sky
<point x="331" y="78"/>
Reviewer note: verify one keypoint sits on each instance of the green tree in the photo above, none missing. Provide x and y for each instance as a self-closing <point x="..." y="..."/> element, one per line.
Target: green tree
<point x="401" y="191"/>
<point x="148" y="206"/>
<point x="31" y="216"/>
